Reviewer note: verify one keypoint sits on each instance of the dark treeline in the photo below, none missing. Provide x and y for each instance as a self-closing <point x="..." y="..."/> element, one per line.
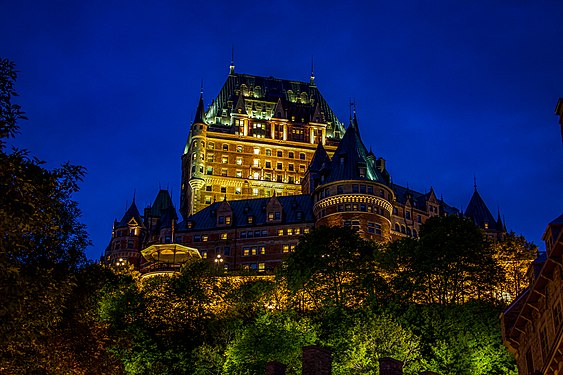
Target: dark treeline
<point x="432" y="302"/>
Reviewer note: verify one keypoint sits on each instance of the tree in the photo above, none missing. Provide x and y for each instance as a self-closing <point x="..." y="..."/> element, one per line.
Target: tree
<point x="274" y="336"/>
<point x="41" y="244"/>
<point x="452" y="262"/>
<point x="328" y="267"/>
<point x="514" y="255"/>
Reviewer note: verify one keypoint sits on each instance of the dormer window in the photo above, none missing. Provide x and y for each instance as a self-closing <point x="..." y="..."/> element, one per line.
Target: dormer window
<point x="342" y="160"/>
<point x="250" y="219"/>
<point x="190" y="224"/>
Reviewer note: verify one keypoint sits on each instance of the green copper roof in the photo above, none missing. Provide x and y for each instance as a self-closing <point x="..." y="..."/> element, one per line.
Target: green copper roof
<point x="298" y="100"/>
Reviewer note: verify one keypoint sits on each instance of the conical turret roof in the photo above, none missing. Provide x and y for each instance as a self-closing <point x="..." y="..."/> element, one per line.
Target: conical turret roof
<point x="131" y="213"/>
<point x="478" y="211"/>
<point x="351" y="157"/>
<point x="320" y="157"/>
<point x="200" y="112"/>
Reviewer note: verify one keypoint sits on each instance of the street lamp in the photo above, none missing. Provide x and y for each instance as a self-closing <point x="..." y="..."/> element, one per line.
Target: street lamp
<point x="218" y="261"/>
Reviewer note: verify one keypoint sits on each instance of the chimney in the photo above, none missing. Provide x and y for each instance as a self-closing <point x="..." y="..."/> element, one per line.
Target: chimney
<point x="390" y="366"/>
<point x="275" y="368"/>
<point x="316" y="361"/>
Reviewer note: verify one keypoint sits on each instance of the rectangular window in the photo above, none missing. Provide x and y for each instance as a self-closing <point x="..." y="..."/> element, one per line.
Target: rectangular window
<point x="268" y="152"/>
<point x="256" y="151"/>
<point x="210" y="158"/>
<point x="280" y="232"/>
<point x="290" y="167"/>
<point x="224" y="172"/>
<point x="354" y="188"/>
<point x="286" y="248"/>
<point x="223" y="236"/>
<point x="289" y="231"/>
<point x="297" y="231"/>
<point x="255" y="191"/>
<point x="268" y="164"/>
<point x="225" y="159"/>
<point x="302" y="156"/>
<point x="239" y="148"/>
<point x="290" y="154"/>
<point x="228" y="220"/>
<point x="237" y="190"/>
<point x="209" y="170"/>
<point x="239" y="161"/>
<point x="225" y="147"/>
<point x="280" y="154"/>
<point x="279" y="166"/>
<point x="245" y="251"/>
<point x="208" y="188"/>
<point x="256" y="163"/>
<point x="223" y="189"/>
<point x="363" y="189"/>
<point x="204" y="238"/>
<point x="340" y="189"/>
<point x="370" y="189"/>
<point x="207" y="199"/>
<point x="261" y="267"/>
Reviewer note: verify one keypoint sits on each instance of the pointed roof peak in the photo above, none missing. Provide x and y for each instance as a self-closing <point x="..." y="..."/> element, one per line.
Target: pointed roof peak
<point x="475" y="183"/>
<point x="312" y="78"/>
<point x="232" y="66"/>
<point x="200" y="112"/>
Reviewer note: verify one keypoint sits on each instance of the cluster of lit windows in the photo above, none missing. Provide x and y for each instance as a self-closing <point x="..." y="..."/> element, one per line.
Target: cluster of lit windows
<point x="288" y="248"/>
<point x="253" y="250"/>
<point x="274" y="216"/>
<point x="224" y="220"/>
<point x="292" y="231"/>
<point x="260" y="267"/>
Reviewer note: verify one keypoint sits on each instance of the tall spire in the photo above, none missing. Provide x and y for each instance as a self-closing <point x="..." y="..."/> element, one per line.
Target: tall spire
<point x="232" y="66"/>
<point x="200" y="112"/>
<point x="474" y="182"/>
<point x="312" y="78"/>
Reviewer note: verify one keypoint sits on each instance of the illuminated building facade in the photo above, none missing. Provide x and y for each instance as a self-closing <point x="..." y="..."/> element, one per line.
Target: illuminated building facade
<point x="532" y="326"/>
<point x="268" y="161"/>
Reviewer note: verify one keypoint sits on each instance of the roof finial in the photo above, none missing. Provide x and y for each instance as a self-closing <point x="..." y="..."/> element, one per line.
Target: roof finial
<point x="475" y="182"/>
<point x="232" y="66"/>
<point x="134" y="194"/>
<point x="312" y="79"/>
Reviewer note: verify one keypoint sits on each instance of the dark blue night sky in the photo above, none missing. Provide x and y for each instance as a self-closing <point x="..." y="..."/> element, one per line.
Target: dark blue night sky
<point x="445" y="90"/>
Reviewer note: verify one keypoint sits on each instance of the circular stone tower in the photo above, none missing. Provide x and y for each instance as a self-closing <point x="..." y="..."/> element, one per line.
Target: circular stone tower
<point x="352" y="189"/>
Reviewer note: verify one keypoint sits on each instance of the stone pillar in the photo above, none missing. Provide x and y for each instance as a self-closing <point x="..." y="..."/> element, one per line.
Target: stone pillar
<point x="316" y="361"/>
<point x="275" y="368"/>
<point x="390" y="366"/>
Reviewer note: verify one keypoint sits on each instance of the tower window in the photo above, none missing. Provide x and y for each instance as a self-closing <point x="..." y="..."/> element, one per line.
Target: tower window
<point x="225" y="147"/>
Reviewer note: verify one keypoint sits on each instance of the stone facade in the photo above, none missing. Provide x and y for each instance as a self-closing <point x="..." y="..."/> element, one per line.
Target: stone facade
<point x="268" y="161"/>
<point x="532" y="326"/>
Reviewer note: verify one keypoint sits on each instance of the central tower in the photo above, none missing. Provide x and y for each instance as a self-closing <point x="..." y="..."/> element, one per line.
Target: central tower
<point x="255" y="140"/>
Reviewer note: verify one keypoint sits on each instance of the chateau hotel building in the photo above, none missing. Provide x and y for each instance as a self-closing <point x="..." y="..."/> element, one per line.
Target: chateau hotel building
<point x="265" y="163"/>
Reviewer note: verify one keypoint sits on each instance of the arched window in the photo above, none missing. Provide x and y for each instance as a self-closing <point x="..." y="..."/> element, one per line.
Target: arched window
<point x="397" y="227"/>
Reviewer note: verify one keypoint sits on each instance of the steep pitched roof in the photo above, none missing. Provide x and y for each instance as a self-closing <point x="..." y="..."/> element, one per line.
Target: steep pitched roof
<point x="162" y="203"/>
<point x="320" y="157"/>
<point x="296" y="209"/>
<point x="200" y="112"/>
<point x="131" y="213"/>
<point x="350" y="155"/>
<point x="273" y="90"/>
<point x="478" y="212"/>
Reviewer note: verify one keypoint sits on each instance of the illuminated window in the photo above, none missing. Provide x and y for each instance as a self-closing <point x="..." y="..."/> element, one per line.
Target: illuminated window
<point x="204" y="238"/>
<point x="250" y="219"/>
<point x="257" y="151"/>
<point x="297" y="231"/>
<point x="268" y="152"/>
<point x="289" y="231"/>
<point x="210" y="158"/>
<point x="306" y="230"/>
<point x="261" y="267"/>
<point x="255" y="191"/>
<point x="239" y="148"/>
<point x="246" y="251"/>
<point x="362" y="172"/>
<point x="204" y="254"/>
<point x="239" y="161"/>
<point x="224" y="159"/>
<point x="211" y="145"/>
<point x="280" y="232"/>
<point x="256" y="163"/>
<point x="268" y="177"/>
<point x="256" y="175"/>
<point x="224" y="172"/>
<point x="301" y="168"/>
<point x="292" y="248"/>
<point x="223" y="236"/>
<point x="238" y="173"/>
<point x="228" y="220"/>
<point x="237" y="190"/>
<point x="209" y="170"/>
<point x="285" y="248"/>
<point x="253" y="251"/>
<point x="207" y="199"/>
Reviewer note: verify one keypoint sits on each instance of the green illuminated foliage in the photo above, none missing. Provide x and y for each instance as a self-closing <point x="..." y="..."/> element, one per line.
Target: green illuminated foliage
<point x="272" y="337"/>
